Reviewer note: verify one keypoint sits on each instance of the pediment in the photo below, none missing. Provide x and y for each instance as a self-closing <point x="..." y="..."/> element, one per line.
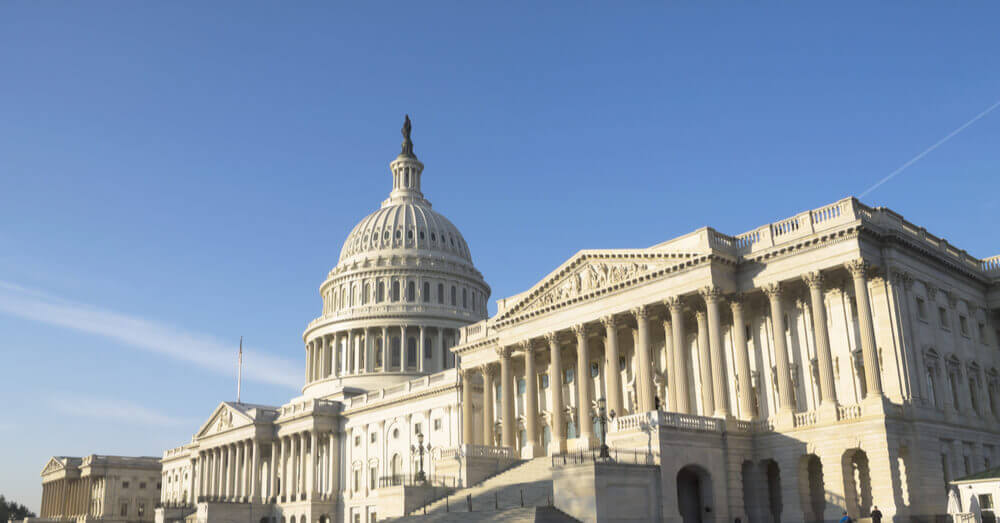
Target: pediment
<point x="54" y="465"/>
<point x="589" y="271"/>
<point x="224" y="418"/>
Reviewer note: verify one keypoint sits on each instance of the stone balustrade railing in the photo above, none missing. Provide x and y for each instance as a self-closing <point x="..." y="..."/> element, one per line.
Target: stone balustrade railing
<point x="307" y="406"/>
<point x="484" y="451"/>
<point x="402" y="389"/>
<point x="805" y="419"/>
<point x="845" y="412"/>
<point x="475" y="332"/>
<point x="393" y="310"/>
<point x="839" y="213"/>
<point x="690" y="422"/>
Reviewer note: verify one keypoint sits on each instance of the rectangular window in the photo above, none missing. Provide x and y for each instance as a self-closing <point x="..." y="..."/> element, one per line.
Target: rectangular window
<point x="441" y="293"/>
<point x="357" y="479"/>
<point x="522" y="386"/>
<point x="921" y="309"/>
<point x="595" y="370"/>
<point x="943" y="317"/>
<point x="374" y="518"/>
<point x="357" y="518"/>
<point x="142" y="484"/>
<point x="158" y="484"/>
<point x="545" y="381"/>
<point x="416" y="428"/>
<point x="963" y="325"/>
<point x="437" y="424"/>
<point x="372" y="474"/>
<point x="124" y="512"/>
<point x="357" y="441"/>
<point x="373" y="437"/>
<point x="124" y="484"/>
<point x="568" y="376"/>
<point x="986" y="501"/>
<point x="142" y="509"/>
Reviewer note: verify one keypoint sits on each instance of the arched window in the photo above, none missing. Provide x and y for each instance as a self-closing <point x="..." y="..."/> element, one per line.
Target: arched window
<point x="352" y="302"/>
<point x="395" y="352"/>
<point x="378" y="352"/>
<point x="364" y="296"/>
<point x="427" y="347"/>
<point x="411" y="292"/>
<point x="473" y="301"/>
<point x="465" y="298"/>
<point x="441" y="293"/>
<point x="381" y="293"/>
<point x="427" y="291"/>
<point x="411" y="351"/>
<point x="395" y="290"/>
<point x="454" y="300"/>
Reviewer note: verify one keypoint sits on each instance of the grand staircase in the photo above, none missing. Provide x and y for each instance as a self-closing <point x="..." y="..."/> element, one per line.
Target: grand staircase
<point x="521" y="493"/>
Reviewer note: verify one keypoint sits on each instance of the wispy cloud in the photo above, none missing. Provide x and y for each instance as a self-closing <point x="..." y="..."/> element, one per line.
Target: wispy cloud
<point x="199" y="349"/>
<point x="75" y="404"/>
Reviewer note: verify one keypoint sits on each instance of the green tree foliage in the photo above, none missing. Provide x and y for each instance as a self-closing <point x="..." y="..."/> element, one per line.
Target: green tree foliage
<point x="10" y="510"/>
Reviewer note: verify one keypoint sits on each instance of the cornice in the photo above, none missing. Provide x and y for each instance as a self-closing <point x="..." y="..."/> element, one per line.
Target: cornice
<point x="447" y="387"/>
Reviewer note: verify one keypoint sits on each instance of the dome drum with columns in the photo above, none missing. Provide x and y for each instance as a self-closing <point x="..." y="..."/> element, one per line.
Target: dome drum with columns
<point x="405" y="283"/>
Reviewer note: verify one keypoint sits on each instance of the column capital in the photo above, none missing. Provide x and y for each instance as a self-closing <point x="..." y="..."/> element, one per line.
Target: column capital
<point x="552" y="338"/>
<point x="858" y="268"/>
<point x="699" y="314"/>
<point x="523" y="347"/>
<point x="814" y="279"/>
<point x="505" y="351"/>
<point x="641" y="312"/>
<point x="489" y="370"/>
<point x="710" y="293"/>
<point x="579" y="330"/>
<point x="772" y="290"/>
<point x="674" y="303"/>
<point x="737" y="300"/>
<point x="610" y="321"/>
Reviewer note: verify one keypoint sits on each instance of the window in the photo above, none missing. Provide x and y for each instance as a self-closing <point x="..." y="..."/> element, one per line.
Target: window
<point x="142" y="509"/>
<point x="416" y="428"/>
<point x="159" y="485"/>
<point x="372" y="473"/>
<point x="373" y="518"/>
<point x="421" y="235"/>
<point x="409" y="235"/>
<point x="963" y="324"/>
<point x="621" y="363"/>
<point x="437" y="424"/>
<point x="373" y="437"/>
<point x="357" y="480"/>
<point x="357" y="516"/>
<point x="921" y="309"/>
<point x="982" y="333"/>
<point x="395" y="433"/>
<point x="411" y="351"/>
<point x="986" y="501"/>
<point x="441" y="293"/>
<point x="378" y="352"/>
<point x="124" y="484"/>
<point x="545" y="381"/>
<point x="943" y="317"/>
<point x="381" y="293"/>
<point x="411" y="292"/>
<point x="124" y="511"/>
<point x="395" y="291"/>
<point x="568" y="376"/>
<point x="522" y="386"/>
<point x="427" y="291"/>
<point x="357" y="441"/>
<point x="427" y="348"/>
<point x="142" y="484"/>
<point x="364" y="296"/>
<point x="454" y="296"/>
<point x="595" y="371"/>
<point x="465" y="298"/>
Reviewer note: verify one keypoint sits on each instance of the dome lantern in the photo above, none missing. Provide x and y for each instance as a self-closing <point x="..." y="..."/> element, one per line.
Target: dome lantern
<point x="406" y="172"/>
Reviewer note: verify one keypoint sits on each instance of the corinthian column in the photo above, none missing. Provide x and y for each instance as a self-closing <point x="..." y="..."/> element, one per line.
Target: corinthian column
<point x="489" y="396"/>
<point x="644" y="393"/>
<point x="586" y="433"/>
<point x="467" y="420"/>
<point x="530" y="402"/>
<point x="558" y="442"/>
<point x="786" y="402"/>
<point x="869" y="351"/>
<point x="712" y="295"/>
<point x="828" y="392"/>
<point x="612" y="375"/>
<point x="507" y="398"/>
<point x="705" y="364"/>
<point x="681" y="385"/>
<point x="743" y="380"/>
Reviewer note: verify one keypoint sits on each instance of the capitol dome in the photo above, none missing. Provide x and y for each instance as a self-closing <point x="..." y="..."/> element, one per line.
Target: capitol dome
<point x="392" y="306"/>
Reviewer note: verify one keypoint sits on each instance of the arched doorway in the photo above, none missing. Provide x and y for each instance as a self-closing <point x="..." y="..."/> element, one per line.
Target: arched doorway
<point x="751" y="491"/>
<point x="694" y="491"/>
<point x="857" y="482"/>
<point x="811" y="489"/>
<point x="396" y="466"/>
<point x="773" y="475"/>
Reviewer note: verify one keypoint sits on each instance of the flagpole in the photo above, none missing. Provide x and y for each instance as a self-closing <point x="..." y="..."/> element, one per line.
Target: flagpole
<point x="239" y="372"/>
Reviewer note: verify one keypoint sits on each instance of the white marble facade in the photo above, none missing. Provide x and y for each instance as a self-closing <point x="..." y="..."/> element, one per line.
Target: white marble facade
<point x="837" y="359"/>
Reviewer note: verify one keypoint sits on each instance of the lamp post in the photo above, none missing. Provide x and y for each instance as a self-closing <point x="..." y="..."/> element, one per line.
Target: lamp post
<point x="420" y="448"/>
<point x="601" y="406"/>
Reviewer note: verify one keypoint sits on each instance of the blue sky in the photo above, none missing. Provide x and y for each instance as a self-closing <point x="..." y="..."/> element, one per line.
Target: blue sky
<point x="175" y="176"/>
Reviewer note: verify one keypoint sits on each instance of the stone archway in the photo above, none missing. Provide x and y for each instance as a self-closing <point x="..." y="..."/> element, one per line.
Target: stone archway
<point x="772" y="476"/>
<point x="751" y="492"/>
<point x="811" y="488"/>
<point x="694" y="493"/>
<point x="857" y="482"/>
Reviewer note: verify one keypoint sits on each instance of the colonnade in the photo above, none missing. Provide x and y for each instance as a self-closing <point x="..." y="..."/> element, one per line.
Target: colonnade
<point x="712" y="369"/>
<point x="301" y="472"/>
<point x="369" y="349"/>
<point x="230" y="472"/>
<point x="66" y="497"/>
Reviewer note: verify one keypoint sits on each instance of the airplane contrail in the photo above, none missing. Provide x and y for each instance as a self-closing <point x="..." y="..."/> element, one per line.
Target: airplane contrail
<point x="927" y="151"/>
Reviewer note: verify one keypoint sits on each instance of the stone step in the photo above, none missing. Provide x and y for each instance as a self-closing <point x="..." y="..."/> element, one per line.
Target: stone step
<point x="528" y="484"/>
<point x="516" y="515"/>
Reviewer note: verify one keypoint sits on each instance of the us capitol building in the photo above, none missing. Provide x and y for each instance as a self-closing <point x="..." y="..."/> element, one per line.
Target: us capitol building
<point x="836" y="360"/>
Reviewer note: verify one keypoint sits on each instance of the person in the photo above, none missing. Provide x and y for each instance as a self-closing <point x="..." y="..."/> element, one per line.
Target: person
<point x="876" y="515"/>
<point x="846" y="518"/>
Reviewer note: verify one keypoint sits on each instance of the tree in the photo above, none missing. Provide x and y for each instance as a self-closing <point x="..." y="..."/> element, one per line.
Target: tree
<point x="10" y="510"/>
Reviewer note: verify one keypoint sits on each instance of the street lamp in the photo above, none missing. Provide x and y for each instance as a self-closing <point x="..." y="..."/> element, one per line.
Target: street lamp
<point x="420" y="448"/>
<point x="602" y="415"/>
